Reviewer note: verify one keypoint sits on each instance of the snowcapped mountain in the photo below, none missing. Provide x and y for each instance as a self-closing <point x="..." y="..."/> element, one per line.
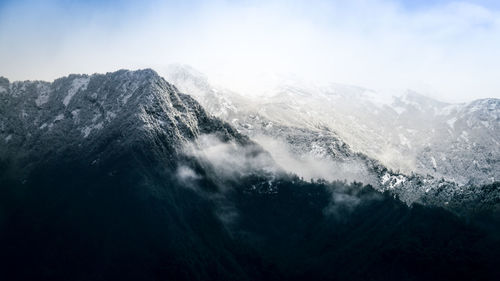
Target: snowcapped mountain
<point x="351" y="133"/>
<point x="119" y="176"/>
<point x="411" y="133"/>
<point x="80" y="115"/>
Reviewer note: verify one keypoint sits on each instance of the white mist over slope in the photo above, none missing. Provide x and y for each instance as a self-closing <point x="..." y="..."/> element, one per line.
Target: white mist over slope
<point x="310" y="167"/>
<point x="229" y="159"/>
<point x="306" y="126"/>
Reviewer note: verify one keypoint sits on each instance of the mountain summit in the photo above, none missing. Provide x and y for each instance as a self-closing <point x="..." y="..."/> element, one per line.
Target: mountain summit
<point x="95" y="116"/>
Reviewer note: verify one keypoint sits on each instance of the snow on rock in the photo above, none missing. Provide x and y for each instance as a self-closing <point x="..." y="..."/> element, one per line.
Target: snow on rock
<point x="41" y="99"/>
<point x="434" y="164"/>
<point x="43" y="90"/>
<point x="126" y="98"/>
<point x="76" y="85"/>
<point x="403" y="132"/>
<point x="88" y="129"/>
<point x="385" y="178"/>
<point x="404" y="141"/>
<point x="451" y="122"/>
<point x="59" y="117"/>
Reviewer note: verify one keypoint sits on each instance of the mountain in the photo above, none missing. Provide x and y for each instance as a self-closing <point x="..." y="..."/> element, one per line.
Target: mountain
<point x="411" y="133"/>
<point x="403" y="144"/>
<point x="119" y="176"/>
<point x="91" y="118"/>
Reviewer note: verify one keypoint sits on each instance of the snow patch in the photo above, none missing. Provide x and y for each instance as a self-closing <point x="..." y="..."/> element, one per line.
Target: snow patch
<point x="443" y="157"/>
<point x="404" y="141"/>
<point x="43" y="96"/>
<point x="77" y="85"/>
<point x="59" y="117"/>
<point x="75" y="114"/>
<point x="88" y="129"/>
<point x="126" y="98"/>
<point x="110" y="115"/>
<point x="464" y="135"/>
<point x="434" y="164"/>
<point x="8" y="138"/>
<point x="393" y="181"/>
<point x="96" y="116"/>
<point x="451" y="122"/>
<point x="397" y="181"/>
<point x="385" y="178"/>
<point x="41" y="99"/>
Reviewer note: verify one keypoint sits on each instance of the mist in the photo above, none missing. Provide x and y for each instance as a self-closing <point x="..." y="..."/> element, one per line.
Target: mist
<point x="229" y="159"/>
<point x="273" y="161"/>
<point x="310" y="167"/>
<point x="271" y="158"/>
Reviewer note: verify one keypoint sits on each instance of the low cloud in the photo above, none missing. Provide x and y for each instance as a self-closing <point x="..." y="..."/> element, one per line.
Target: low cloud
<point x="187" y="176"/>
<point x="225" y="161"/>
<point x="310" y="166"/>
<point x="230" y="159"/>
<point x="447" y="49"/>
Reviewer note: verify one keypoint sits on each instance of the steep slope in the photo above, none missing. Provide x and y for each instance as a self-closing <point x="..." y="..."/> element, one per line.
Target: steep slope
<point x="92" y="117"/>
<point x="411" y="132"/>
<point x="465" y="143"/>
<point x="95" y="182"/>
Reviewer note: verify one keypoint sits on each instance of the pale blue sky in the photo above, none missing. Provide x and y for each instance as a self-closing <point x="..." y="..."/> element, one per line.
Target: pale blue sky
<point x="444" y="48"/>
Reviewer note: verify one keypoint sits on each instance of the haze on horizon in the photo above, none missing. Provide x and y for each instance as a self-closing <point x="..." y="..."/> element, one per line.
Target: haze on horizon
<point x="446" y="49"/>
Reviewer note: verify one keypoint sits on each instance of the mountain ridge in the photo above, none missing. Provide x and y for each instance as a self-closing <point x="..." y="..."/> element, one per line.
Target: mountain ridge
<point x="95" y="116"/>
<point x="311" y="133"/>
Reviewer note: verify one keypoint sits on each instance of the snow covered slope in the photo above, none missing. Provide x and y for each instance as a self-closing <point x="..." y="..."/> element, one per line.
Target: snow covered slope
<point x="95" y="117"/>
<point x="410" y="132"/>
<point x="412" y="145"/>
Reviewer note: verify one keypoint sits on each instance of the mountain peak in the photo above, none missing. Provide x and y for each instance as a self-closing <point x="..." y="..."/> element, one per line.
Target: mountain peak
<point x="80" y="113"/>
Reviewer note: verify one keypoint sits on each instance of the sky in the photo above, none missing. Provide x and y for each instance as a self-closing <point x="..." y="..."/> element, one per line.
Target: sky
<point x="446" y="49"/>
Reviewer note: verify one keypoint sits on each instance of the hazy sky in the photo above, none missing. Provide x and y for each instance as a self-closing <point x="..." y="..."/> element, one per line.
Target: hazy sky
<point x="445" y="48"/>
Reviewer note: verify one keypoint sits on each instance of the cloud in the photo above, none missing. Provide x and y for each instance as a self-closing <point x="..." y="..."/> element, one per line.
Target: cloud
<point x="345" y="201"/>
<point x="448" y="49"/>
<point x="272" y="159"/>
<point x="225" y="162"/>
<point x="311" y="167"/>
<point x="187" y="177"/>
<point x="231" y="160"/>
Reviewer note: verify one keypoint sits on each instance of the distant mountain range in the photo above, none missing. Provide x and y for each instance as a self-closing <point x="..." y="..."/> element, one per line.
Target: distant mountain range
<point x="411" y="144"/>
